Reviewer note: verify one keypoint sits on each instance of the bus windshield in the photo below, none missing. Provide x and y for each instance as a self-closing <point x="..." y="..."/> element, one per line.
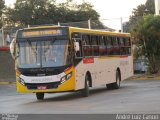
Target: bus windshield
<point x="43" y="53"/>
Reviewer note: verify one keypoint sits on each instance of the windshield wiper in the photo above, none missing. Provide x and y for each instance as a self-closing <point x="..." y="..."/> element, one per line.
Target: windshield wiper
<point x="29" y="42"/>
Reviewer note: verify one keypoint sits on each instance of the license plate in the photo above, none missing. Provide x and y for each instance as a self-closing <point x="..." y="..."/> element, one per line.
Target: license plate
<point x="42" y="87"/>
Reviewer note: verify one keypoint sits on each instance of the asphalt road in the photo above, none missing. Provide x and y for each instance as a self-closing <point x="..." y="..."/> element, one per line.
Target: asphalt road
<point x="134" y="97"/>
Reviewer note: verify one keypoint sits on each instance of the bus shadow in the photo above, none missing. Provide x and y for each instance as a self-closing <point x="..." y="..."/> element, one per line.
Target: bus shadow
<point x="77" y="95"/>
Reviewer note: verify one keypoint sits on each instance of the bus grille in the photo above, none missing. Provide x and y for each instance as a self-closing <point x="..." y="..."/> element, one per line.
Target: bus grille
<point x="34" y="86"/>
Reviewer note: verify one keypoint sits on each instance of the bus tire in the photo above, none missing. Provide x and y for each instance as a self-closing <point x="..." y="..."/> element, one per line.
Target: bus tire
<point x="109" y="86"/>
<point x="115" y="85"/>
<point x="40" y="96"/>
<point x="85" y="91"/>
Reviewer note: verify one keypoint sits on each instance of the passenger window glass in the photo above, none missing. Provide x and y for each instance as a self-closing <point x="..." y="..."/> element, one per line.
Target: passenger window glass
<point x="95" y="47"/>
<point x="109" y="46"/>
<point x="126" y="41"/>
<point x="102" y="46"/>
<point x="87" y="49"/>
<point x="114" y="41"/>
<point x="121" y="42"/>
<point x="126" y="48"/>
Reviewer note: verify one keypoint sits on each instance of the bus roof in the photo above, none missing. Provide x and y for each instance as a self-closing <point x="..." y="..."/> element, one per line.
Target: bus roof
<point x="83" y="30"/>
<point x="43" y="27"/>
<point x="93" y="31"/>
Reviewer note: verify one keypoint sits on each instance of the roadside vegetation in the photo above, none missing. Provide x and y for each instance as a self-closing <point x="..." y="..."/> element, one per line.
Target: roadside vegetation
<point x="2" y="6"/>
<point x="144" y="26"/>
<point x="40" y="12"/>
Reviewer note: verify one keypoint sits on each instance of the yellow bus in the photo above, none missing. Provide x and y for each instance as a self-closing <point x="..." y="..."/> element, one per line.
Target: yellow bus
<point x="51" y="59"/>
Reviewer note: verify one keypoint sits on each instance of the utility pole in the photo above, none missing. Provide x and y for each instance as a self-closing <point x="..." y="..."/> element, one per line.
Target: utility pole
<point x="121" y="24"/>
<point x="89" y="23"/>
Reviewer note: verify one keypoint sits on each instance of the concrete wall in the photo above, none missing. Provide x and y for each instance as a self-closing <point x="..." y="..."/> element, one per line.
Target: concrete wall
<point x="7" y="71"/>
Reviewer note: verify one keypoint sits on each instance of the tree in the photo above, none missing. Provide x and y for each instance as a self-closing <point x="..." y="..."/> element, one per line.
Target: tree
<point x="1" y="11"/>
<point x="150" y="6"/>
<point x="147" y="34"/>
<point x="30" y="12"/>
<point x="138" y="13"/>
<point x="37" y="12"/>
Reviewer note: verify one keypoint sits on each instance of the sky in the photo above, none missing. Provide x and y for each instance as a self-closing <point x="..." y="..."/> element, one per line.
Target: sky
<point x="110" y="10"/>
<point x="115" y="8"/>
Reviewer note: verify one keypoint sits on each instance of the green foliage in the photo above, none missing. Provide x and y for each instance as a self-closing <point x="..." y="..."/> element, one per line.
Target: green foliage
<point x="1" y="6"/>
<point x="1" y="11"/>
<point x="146" y="32"/>
<point x="138" y="13"/>
<point x="150" y="6"/>
<point x="37" y="12"/>
<point x="29" y="12"/>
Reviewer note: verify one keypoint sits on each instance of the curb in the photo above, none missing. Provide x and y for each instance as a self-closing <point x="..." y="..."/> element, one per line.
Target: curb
<point x="145" y="79"/>
<point x="7" y="83"/>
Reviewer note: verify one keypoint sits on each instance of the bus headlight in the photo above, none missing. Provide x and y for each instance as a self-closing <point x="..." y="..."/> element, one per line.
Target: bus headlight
<point x="66" y="77"/>
<point x="21" y="81"/>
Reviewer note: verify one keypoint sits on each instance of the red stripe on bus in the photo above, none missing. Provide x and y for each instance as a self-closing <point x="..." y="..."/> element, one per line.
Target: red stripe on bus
<point x="123" y="56"/>
<point x="88" y="60"/>
<point x="4" y="48"/>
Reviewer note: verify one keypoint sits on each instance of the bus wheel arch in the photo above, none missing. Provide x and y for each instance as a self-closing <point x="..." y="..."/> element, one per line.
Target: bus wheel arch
<point x="119" y="72"/>
<point x="90" y="78"/>
<point x="87" y="84"/>
<point x="115" y="85"/>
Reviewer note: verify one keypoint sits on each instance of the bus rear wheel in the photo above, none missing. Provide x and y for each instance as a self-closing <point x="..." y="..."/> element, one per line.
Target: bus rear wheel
<point x="115" y="85"/>
<point x="85" y="91"/>
<point x="40" y="96"/>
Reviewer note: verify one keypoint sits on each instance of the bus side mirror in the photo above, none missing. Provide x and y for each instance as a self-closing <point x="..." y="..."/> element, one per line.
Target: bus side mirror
<point x="76" y="46"/>
<point x="12" y="48"/>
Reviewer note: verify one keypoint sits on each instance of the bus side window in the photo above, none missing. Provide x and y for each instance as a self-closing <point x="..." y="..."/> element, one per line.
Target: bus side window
<point x="114" y="41"/>
<point x="127" y="42"/>
<point x="76" y="37"/>
<point x="129" y="46"/>
<point x="95" y="47"/>
<point x="86" y="45"/>
<point x="121" y="45"/>
<point x="109" y="45"/>
<point x="126" y="49"/>
<point x="102" y="46"/>
<point x="116" y="49"/>
<point x="121" y="42"/>
<point x="123" y="51"/>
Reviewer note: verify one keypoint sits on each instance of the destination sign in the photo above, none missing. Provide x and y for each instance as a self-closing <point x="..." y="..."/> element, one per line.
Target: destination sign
<point x="37" y="33"/>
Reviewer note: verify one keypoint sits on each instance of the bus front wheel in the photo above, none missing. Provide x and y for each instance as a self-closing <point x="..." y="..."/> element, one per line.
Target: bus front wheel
<point x="85" y="91"/>
<point x="40" y="96"/>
